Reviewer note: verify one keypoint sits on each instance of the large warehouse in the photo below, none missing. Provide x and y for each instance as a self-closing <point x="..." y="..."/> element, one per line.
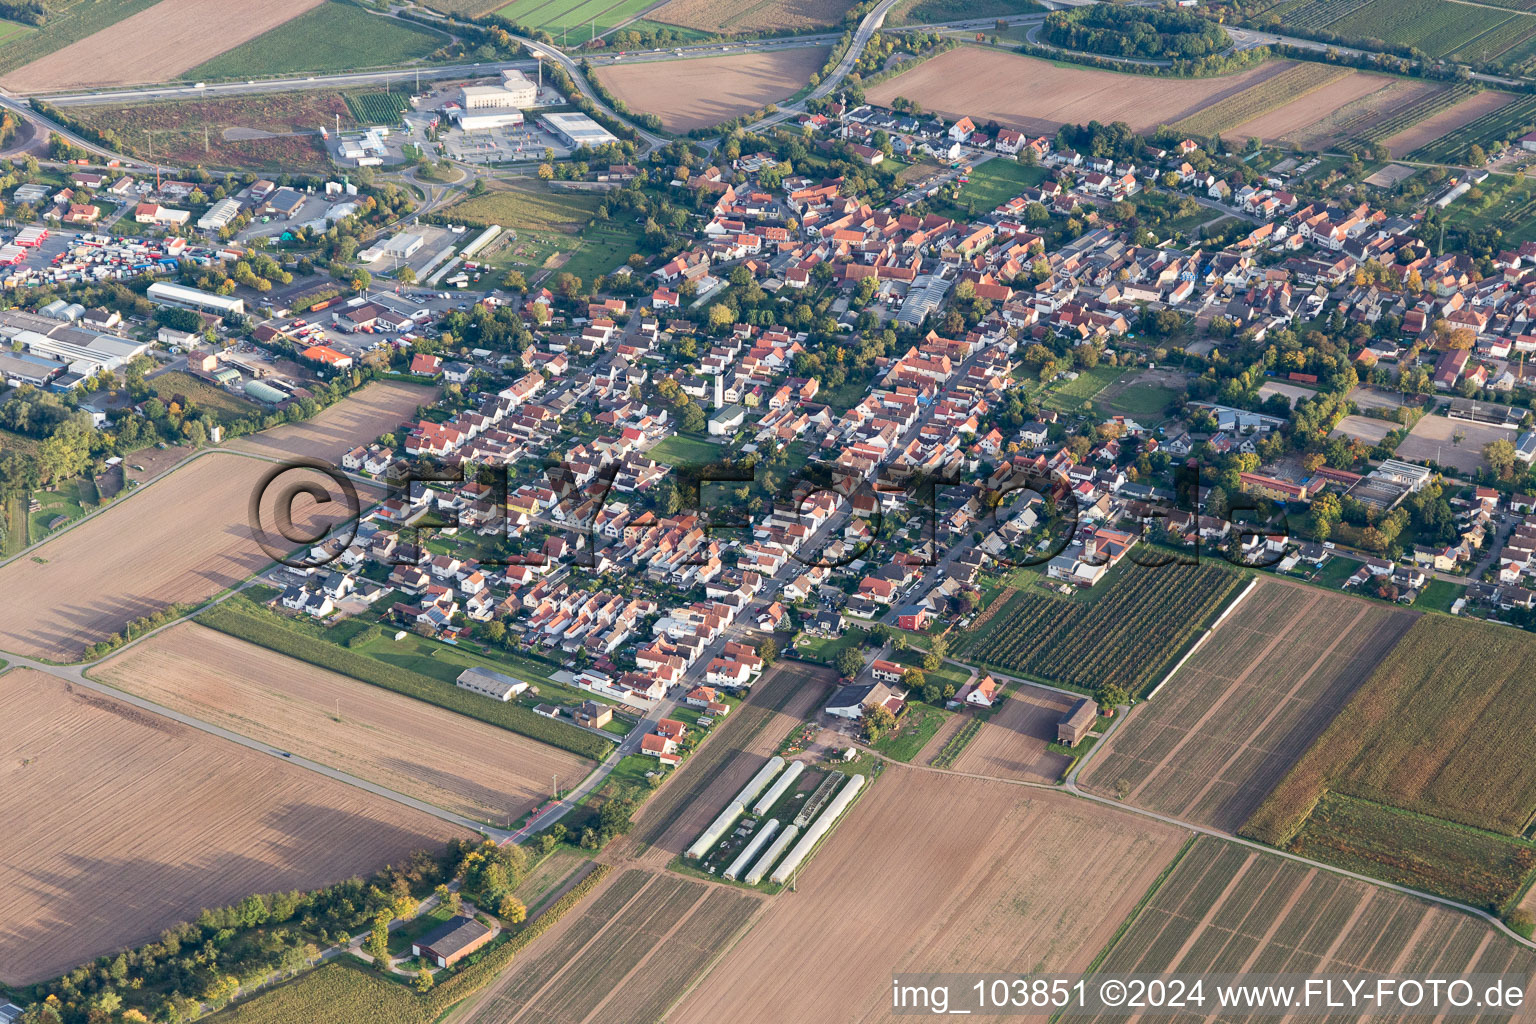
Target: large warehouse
<point x="577" y="130"/>
<point x="193" y="298"/>
<point x="494" y="119"/>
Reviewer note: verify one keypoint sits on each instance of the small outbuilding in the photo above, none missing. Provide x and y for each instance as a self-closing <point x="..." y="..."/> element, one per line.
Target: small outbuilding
<point x="1074" y="725"/>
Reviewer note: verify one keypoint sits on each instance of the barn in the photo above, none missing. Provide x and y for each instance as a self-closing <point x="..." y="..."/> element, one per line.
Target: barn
<point x="452" y="941"/>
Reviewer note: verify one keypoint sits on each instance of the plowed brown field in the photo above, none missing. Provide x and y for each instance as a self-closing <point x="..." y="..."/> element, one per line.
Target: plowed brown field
<point x="183" y="538"/>
<point x="934" y="872"/>
<point x="379" y="408"/>
<point x="697" y="93"/>
<point x="120" y="823"/>
<point x="1213" y="741"/>
<point x="413" y="748"/>
<point x="155" y="45"/>
<point x="1038" y="96"/>
<point x="1011" y="745"/>
<point x="727" y="16"/>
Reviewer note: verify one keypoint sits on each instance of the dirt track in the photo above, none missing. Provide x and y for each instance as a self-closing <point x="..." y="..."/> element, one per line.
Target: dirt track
<point x="413" y="748"/>
<point x="120" y="823"/>
<point x="155" y="45"/>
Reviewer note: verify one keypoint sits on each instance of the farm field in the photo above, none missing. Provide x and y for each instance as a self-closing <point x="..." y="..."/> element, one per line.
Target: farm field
<point x="1454" y="443"/>
<point x="700" y="92"/>
<point x="1435" y="26"/>
<point x="192" y="132"/>
<point x="1227" y="909"/>
<point x="1299" y="88"/>
<point x="1436" y="729"/>
<point x="1240" y="711"/>
<point x="751" y="16"/>
<point x="65" y="22"/>
<point x="1499" y="122"/>
<point x="334" y="36"/>
<point x="1338" y="111"/>
<point x="1040" y="96"/>
<point x="1012" y="743"/>
<point x="1468" y="105"/>
<point x="417" y="749"/>
<point x="672" y="819"/>
<point x="1127" y="636"/>
<point x="146" y="552"/>
<point x="973" y="875"/>
<point x="379" y="408"/>
<point x="924" y="12"/>
<point x="377" y="107"/>
<point x="123" y="823"/>
<point x="625" y="959"/>
<point x="154" y="45"/>
<point x="581" y="17"/>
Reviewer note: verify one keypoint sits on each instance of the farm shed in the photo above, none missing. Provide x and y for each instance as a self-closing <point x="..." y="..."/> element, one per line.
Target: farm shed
<point x="490" y="684"/>
<point x="751" y="849"/>
<point x="1075" y="724"/>
<point x="452" y="941"/>
<point x="817" y="829"/>
<point x="774" y="853"/>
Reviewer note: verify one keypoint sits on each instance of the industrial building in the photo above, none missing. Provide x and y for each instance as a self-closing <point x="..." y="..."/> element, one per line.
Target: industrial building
<point x="367" y="150"/>
<point x="400" y="247"/>
<point x="62" y="353"/>
<point x="220" y="215"/>
<point x="516" y="90"/>
<point x="480" y="122"/>
<point x="192" y="298"/>
<point x="17" y="369"/>
<point x="577" y="130"/>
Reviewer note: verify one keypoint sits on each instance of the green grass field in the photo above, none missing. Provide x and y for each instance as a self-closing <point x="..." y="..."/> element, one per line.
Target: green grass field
<point x="67" y="21"/>
<point x="917" y="725"/>
<point x="202" y="395"/>
<point x="998" y="181"/>
<point x="554" y="231"/>
<point x="580" y="17"/>
<point x="676" y="450"/>
<point x="378" y="107"/>
<point x="71" y="500"/>
<point x="1070" y="396"/>
<point x="335" y="36"/>
<point x="1439" y="596"/>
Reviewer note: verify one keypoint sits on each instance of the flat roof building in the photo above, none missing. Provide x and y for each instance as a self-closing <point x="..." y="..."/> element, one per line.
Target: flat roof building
<point x="576" y="129"/>
<point x="167" y="294"/>
<point x="480" y="122"/>
<point x="219" y="215"/>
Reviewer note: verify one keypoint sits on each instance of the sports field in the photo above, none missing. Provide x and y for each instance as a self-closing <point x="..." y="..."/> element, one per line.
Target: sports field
<point x="406" y="745"/>
<point x="936" y="873"/>
<point x="1244" y="707"/>
<point x="1228" y="909"/>
<point x="121" y="823"/>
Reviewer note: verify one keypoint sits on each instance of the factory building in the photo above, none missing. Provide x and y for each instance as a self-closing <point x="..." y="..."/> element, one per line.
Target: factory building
<point x="220" y="215"/>
<point x="480" y="122"/>
<point x="192" y="298"/>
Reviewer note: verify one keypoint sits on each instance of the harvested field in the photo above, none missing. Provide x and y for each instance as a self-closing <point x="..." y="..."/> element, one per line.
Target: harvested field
<point x="1246" y="705"/>
<point x="1364" y="428"/>
<point x="973" y="876"/>
<point x="1011" y="745"/>
<point x="1336" y="112"/>
<point x="750" y="16"/>
<point x="673" y="818"/>
<point x="1441" y="727"/>
<point x="414" y="748"/>
<point x="1457" y="444"/>
<point x="690" y="94"/>
<point x="1298" y="83"/>
<point x="182" y="539"/>
<point x="1446" y="121"/>
<point x="380" y="408"/>
<point x="122" y="823"/>
<point x="1228" y="909"/>
<point x="1039" y="96"/>
<point x="154" y="45"/>
<point x="625" y="959"/>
